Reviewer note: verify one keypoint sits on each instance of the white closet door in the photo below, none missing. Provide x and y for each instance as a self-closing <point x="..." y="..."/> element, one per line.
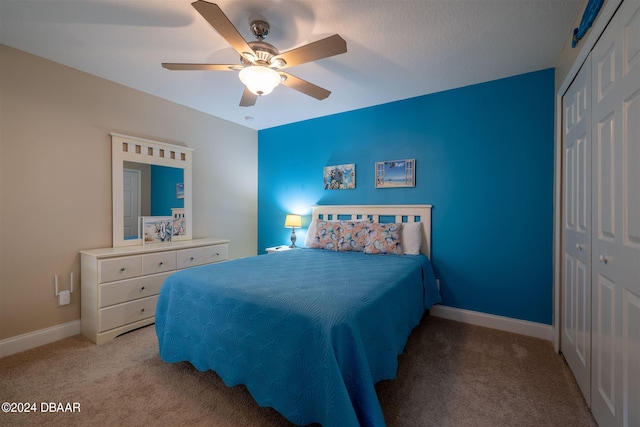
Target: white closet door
<point x="615" y="393"/>
<point x="576" y="237"/>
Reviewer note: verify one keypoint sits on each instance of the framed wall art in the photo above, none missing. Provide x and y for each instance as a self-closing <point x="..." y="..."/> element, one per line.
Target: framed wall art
<point x="396" y="173"/>
<point x="340" y="177"/>
<point x="156" y="229"/>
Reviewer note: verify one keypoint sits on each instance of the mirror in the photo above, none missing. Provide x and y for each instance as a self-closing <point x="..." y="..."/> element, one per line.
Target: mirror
<point x="149" y="179"/>
<point x="149" y="190"/>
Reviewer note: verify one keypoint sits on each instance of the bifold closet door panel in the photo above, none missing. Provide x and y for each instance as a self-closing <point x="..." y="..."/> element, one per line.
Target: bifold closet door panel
<point x="576" y="229"/>
<point x="615" y="255"/>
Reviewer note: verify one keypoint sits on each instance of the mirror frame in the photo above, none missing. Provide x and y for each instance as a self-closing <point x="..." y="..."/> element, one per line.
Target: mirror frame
<point x="132" y="149"/>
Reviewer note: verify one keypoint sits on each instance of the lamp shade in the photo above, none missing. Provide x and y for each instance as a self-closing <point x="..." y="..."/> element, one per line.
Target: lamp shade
<point x="292" y="221"/>
<point x="259" y="80"/>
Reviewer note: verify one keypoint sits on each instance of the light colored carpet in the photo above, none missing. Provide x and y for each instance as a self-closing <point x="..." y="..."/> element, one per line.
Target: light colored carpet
<point x="451" y="374"/>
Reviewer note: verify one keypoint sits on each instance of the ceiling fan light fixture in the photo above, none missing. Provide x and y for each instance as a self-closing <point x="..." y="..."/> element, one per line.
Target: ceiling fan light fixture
<point x="260" y="80"/>
<point x="278" y="62"/>
<point x="259" y="60"/>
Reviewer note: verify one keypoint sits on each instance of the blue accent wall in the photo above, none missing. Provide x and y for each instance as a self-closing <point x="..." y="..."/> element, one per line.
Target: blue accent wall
<point x="163" y="189"/>
<point x="484" y="160"/>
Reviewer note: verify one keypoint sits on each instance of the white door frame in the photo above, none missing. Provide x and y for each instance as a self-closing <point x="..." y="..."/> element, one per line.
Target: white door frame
<point x="587" y="45"/>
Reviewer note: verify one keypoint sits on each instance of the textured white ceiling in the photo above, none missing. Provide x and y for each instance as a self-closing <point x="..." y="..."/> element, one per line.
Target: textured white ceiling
<point x="397" y="49"/>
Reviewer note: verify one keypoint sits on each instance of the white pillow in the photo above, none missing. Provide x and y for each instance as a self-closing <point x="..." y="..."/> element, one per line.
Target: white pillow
<point x="311" y="233"/>
<point x="411" y="238"/>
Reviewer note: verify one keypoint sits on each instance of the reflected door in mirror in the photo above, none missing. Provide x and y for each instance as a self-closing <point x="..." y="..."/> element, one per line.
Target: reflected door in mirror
<point x="148" y="190"/>
<point x="131" y="202"/>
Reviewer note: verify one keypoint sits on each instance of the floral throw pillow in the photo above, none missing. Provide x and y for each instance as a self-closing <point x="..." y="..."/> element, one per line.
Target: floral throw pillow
<point x="353" y="235"/>
<point x="326" y="236"/>
<point x="383" y="239"/>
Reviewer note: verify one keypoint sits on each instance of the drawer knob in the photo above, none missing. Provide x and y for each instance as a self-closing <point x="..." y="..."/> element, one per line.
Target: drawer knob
<point x="191" y="259"/>
<point x="161" y="263"/>
<point x="122" y="270"/>
<point x="142" y="310"/>
<point x="142" y="289"/>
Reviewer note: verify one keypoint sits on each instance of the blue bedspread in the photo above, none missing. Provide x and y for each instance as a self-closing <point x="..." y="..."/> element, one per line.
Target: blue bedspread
<point x="308" y="331"/>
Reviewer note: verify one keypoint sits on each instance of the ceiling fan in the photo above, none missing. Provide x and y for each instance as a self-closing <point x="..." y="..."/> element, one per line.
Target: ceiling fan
<point x="260" y="62"/>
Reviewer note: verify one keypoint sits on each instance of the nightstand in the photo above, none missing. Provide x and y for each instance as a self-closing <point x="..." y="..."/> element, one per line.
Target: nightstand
<point x="282" y="248"/>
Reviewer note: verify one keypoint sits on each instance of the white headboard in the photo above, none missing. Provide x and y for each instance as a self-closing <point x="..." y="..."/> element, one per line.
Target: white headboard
<point x="402" y="213"/>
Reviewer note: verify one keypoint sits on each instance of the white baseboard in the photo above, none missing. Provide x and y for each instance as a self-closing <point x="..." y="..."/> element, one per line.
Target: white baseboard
<point x="538" y="330"/>
<point x="37" y="338"/>
<point x="523" y="327"/>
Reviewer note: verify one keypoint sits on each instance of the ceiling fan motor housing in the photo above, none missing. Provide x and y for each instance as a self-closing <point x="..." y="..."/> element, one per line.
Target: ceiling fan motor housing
<point x="264" y="52"/>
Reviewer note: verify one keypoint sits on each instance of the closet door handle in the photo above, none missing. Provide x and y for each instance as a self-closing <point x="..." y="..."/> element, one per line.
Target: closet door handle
<point x="604" y="259"/>
<point x="579" y="246"/>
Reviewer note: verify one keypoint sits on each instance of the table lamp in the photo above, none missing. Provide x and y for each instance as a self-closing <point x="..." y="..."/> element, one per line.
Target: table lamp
<point x="293" y="221"/>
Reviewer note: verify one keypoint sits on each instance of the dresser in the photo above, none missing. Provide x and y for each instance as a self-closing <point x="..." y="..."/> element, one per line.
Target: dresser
<point x="120" y="286"/>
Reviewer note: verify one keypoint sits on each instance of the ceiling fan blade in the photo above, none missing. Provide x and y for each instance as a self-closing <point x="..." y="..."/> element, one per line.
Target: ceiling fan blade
<point x="330" y="46"/>
<point x="218" y="20"/>
<point x="305" y="87"/>
<point x="205" y="67"/>
<point x="248" y="98"/>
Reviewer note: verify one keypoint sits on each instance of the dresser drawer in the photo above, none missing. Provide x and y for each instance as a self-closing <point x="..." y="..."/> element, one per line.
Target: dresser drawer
<point x="121" y="314"/>
<point x="122" y="268"/>
<point x="131" y="289"/>
<point x="190" y="257"/>
<point x="216" y="253"/>
<point x="159" y="262"/>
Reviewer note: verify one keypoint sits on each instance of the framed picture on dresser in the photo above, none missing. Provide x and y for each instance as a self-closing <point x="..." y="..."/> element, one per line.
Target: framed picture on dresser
<point x="156" y="229"/>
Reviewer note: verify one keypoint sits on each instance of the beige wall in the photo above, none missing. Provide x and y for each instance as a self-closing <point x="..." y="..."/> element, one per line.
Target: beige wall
<point x="55" y="178"/>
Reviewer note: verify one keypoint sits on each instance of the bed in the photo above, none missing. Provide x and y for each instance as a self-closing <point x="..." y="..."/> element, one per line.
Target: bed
<point x="308" y="331"/>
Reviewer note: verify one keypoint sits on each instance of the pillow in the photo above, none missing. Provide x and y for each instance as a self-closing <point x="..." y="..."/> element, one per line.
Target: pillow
<point x="411" y="238"/>
<point x="326" y="235"/>
<point x="311" y="231"/>
<point x="353" y="235"/>
<point x="383" y="238"/>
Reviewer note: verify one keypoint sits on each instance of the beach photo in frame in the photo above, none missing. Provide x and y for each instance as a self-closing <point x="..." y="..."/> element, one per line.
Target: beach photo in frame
<point x="179" y="227"/>
<point x="180" y="191"/>
<point x="156" y="229"/>
<point x="396" y="173"/>
<point x="340" y="177"/>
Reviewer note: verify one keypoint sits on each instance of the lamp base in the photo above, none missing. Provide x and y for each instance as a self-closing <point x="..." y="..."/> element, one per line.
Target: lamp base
<point x="293" y="238"/>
